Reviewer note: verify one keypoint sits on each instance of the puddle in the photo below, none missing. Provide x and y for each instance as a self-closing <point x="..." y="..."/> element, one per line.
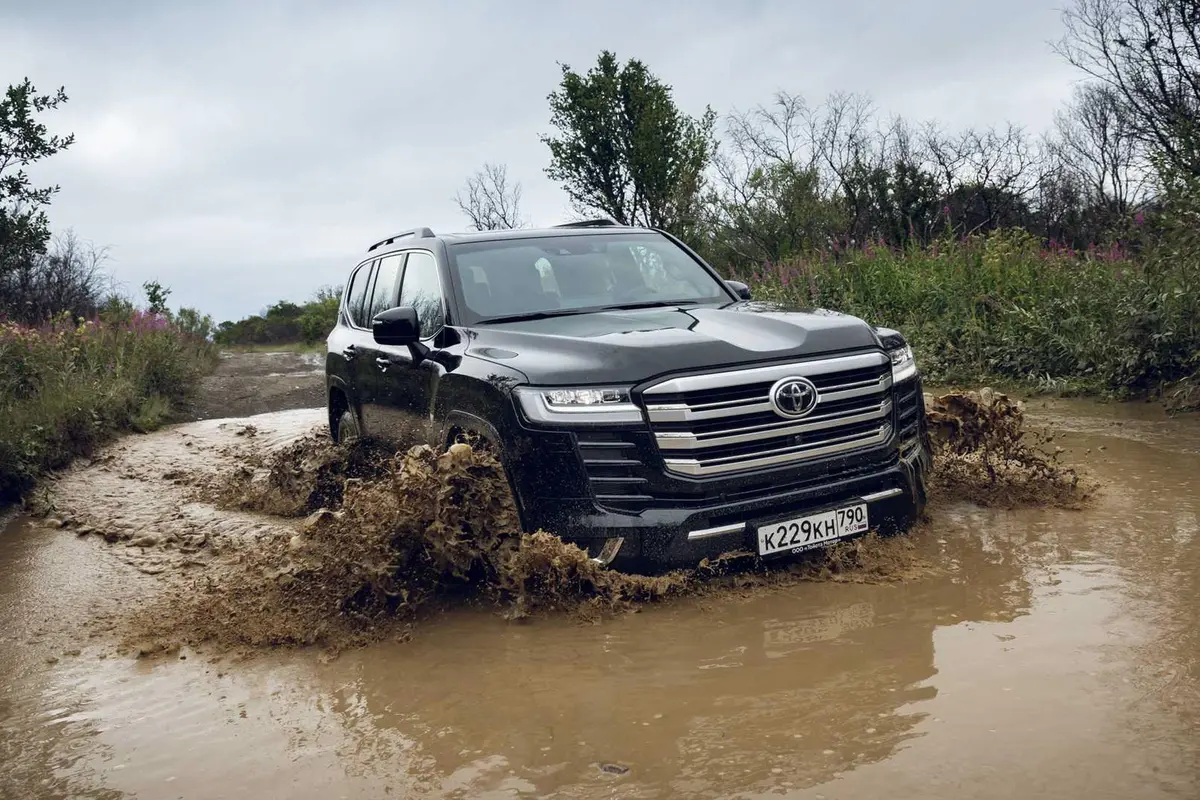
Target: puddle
<point x="1051" y="653"/>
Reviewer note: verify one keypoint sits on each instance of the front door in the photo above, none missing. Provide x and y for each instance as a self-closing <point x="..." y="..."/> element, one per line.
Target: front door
<point x="410" y="376"/>
<point x="369" y="359"/>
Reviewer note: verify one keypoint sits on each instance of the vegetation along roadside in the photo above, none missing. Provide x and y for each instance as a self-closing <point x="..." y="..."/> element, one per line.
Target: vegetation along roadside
<point x="79" y="362"/>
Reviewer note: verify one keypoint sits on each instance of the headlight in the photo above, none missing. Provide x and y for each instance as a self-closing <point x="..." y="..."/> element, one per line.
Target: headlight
<point x="609" y="405"/>
<point x="904" y="364"/>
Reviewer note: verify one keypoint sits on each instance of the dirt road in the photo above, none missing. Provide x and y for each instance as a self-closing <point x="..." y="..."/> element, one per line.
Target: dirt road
<point x="256" y="383"/>
<point x="1045" y="653"/>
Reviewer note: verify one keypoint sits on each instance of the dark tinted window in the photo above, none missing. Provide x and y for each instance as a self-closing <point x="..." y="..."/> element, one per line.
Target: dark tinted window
<point x="422" y="290"/>
<point x="387" y="282"/>
<point x="544" y="274"/>
<point x="356" y="293"/>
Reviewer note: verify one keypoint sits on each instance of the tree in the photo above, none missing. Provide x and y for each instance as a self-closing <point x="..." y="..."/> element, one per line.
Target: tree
<point x="68" y="277"/>
<point x="24" y="228"/>
<point x="320" y="315"/>
<point x="1096" y="140"/>
<point x="1148" y="53"/>
<point x="624" y="149"/>
<point x="191" y="322"/>
<point x="156" y="297"/>
<point x="489" y="201"/>
<point x="988" y="176"/>
<point x="768" y="201"/>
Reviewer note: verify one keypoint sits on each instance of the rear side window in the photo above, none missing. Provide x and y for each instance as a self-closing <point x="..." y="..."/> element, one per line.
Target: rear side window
<point x="387" y="286"/>
<point x="356" y="293"/>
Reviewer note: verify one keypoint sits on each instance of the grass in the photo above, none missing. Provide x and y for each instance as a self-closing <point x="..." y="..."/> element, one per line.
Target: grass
<point x="1003" y="308"/>
<point x="67" y="387"/>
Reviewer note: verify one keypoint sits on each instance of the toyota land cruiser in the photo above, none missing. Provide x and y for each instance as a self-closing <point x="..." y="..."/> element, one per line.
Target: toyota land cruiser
<point x="642" y="407"/>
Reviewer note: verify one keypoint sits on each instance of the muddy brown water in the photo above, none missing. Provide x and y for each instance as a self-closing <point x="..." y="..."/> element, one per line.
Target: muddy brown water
<point x="1050" y="654"/>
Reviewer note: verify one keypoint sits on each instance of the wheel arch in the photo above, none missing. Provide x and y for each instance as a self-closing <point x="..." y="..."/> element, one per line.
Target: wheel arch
<point x="460" y="423"/>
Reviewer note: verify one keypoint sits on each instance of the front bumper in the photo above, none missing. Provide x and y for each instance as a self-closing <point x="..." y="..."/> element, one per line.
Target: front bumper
<point x="664" y="537"/>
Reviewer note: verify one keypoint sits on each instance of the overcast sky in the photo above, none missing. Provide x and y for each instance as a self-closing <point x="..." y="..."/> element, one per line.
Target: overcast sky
<point x="244" y="152"/>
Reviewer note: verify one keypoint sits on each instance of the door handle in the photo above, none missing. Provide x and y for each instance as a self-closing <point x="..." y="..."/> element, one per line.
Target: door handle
<point x="349" y="352"/>
<point x="383" y="362"/>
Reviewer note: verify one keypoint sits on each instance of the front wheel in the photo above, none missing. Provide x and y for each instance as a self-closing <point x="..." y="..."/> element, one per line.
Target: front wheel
<point x="347" y="428"/>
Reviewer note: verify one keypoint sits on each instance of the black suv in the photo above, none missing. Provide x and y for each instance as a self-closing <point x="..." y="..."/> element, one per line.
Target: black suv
<point x="643" y="408"/>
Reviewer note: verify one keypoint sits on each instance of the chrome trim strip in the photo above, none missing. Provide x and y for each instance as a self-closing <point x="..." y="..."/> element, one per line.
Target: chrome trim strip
<point x="692" y="441"/>
<point x="681" y="412"/>
<point x="884" y="495"/>
<point x="771" y="458"/>
<point x="678" y="412"/>
<point x="704" y="533"/>
<point x="722" y="380"/>
<point x="882" y="385"/>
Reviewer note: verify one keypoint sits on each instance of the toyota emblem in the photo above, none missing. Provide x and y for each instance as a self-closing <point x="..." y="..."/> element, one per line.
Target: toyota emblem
<point x="794" y="397"/>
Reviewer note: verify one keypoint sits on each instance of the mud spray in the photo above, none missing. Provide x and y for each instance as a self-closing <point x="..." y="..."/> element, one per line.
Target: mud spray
<point x="985" y="453"/>
<point x="350" y="545"/>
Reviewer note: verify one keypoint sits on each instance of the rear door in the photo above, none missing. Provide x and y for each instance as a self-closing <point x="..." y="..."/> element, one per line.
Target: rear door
<point x="348" y="336"/>
<point x="385" y="288"/>
<point x="409" y="382"/>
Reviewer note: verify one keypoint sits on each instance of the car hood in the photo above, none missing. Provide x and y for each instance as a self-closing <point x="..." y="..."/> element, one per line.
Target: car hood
<point x="622" y="347"/>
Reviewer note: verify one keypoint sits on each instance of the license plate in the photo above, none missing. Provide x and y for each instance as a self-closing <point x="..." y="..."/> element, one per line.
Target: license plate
<point x="805" y="533"/>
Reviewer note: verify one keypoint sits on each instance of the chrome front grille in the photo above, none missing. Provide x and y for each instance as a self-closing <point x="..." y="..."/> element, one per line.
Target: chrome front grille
<point x="724" y="422"/>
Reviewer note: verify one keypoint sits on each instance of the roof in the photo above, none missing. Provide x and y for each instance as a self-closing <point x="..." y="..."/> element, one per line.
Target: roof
<point x="530" y="233"/>
<point x="584" y="228"/>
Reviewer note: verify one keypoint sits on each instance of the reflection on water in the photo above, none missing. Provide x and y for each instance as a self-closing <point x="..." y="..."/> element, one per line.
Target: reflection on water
<point x="1051" y="653"/>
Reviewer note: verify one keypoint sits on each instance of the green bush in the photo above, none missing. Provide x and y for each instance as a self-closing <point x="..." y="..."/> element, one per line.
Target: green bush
<point x="66" y="387"/>
<point x="285" y="322"/>
<point x="319" y="318"/>
<point x="1004" y="306"/>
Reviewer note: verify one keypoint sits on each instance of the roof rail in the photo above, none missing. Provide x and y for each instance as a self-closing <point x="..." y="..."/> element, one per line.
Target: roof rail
<point x="416" y="233"/>
<point x="589" y="223"/>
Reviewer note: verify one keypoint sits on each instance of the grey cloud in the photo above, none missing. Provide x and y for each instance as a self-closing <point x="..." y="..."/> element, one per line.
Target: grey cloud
<point x="247" y="152"/>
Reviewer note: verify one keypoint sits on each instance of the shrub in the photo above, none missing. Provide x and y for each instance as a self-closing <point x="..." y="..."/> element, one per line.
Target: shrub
<point x="67" y="386"/>
<point x="1003" y="305"/>
<point x="285" y="322"/>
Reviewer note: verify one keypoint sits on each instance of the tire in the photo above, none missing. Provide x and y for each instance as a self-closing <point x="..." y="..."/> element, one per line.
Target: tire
<point x="347" y="428"/>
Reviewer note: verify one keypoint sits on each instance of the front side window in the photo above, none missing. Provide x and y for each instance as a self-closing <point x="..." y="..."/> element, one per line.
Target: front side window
<point x="387" y="282"/>
<point x="356" y="293"/>
<point x="422" y="290"/>
<point x="570" y="274"/>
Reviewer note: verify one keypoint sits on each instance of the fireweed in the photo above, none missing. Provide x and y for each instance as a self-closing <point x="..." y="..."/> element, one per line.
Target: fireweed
<point x="71" y="384"/>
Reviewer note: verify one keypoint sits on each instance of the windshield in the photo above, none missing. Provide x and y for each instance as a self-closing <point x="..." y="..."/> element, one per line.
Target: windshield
<point x="551" y="275"/>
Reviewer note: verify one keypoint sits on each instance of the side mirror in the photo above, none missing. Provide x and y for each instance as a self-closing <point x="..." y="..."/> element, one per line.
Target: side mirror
<point x="739" y="288"/>
<point x="397" y="326"/>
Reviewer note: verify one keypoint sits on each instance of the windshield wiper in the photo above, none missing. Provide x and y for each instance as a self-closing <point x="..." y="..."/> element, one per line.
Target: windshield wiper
<point x="532" y="315"/>
<point x="568" y="312"/>
<point x="650" y="304"/>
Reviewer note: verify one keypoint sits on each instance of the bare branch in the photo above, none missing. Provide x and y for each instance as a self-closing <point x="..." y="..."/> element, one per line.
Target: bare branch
<point x="489" y="201"/>
<point x="1148" y="53"/>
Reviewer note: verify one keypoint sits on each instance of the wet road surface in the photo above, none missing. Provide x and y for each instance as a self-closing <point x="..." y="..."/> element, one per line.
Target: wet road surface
<point x="1049" y="653"/>
<point x="260" y="382"/>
